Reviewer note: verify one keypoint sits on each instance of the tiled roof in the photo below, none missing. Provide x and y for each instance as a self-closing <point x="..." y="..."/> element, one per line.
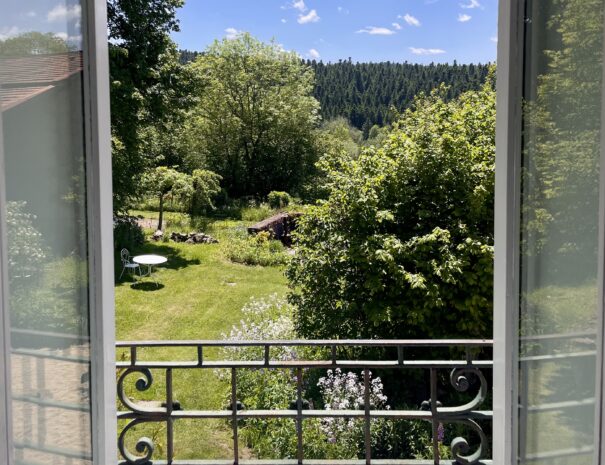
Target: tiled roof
<point x="22" y="78"/>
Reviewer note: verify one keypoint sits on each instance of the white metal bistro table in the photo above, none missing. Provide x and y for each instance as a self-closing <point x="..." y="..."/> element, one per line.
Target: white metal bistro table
<point x="150" y="261"/>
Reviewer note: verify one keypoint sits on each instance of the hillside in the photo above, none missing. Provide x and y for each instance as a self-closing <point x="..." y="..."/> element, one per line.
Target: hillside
<point x="366" y="93"/>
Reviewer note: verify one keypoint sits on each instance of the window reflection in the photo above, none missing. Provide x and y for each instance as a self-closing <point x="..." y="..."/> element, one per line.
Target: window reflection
<point x="41" y="99"/>
<point x="559" y="237"/>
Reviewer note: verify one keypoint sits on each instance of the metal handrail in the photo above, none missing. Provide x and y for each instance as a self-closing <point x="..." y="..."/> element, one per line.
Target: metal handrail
<point x="461" y="371"/>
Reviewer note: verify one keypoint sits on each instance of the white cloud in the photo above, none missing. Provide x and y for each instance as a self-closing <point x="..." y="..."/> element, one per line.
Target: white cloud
<point x="8" y="32"/>
<point x="295" y="5"/>
<point x="64" y="13"/>
<point x="464" y="18"/>
<point x="426" y="51"/>
<point x="494" y="39"/>
<point x="232" y="33"/>
<point x="311" y="17"/>
<point x="67" y="38"/>
<point x="30" y="14"/>
<point x="376" y="31"/>
<point x="411" y="20"/>
<point x="313" y="53"/>
<point x="471" y="4"/>
<point x="283" y="20"/>
<point x="397" y="26"/>
<point x="343" y="10"/>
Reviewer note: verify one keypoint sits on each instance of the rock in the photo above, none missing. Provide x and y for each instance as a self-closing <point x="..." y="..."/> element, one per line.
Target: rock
<point x="158" y="235"/>
<point x="280" y="226"/>
<point x="193" y="238"/>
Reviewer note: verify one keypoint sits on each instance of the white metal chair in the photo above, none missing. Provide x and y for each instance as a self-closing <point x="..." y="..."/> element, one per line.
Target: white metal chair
<point x="127" y="264"/>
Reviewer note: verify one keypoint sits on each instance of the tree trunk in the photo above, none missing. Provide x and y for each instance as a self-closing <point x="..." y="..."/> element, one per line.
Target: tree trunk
<point x="161" y="219"/>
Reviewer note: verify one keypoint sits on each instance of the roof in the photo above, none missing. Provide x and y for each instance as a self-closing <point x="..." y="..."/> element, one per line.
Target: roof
<point x="23" y="78"/>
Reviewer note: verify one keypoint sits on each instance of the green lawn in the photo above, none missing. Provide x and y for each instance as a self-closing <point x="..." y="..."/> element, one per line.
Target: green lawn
<point x="200" y="296"/>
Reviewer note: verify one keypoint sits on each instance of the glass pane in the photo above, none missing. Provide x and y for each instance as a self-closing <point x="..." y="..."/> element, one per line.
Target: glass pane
<point x="559" y="233"/>
<point x="41" y="97"/>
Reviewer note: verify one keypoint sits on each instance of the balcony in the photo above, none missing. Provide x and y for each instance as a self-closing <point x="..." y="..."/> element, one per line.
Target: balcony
<point x="467" y="376"/>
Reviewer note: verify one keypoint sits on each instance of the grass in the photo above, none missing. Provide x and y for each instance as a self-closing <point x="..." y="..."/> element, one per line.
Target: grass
<point x="200" y="296"/>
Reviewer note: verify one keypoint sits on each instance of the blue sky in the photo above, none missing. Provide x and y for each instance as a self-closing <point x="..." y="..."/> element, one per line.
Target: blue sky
<point x="419" y="31"/>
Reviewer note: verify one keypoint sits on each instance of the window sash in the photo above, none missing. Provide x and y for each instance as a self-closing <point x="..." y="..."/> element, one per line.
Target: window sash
<point x="100" y="233"/>
<point x="5" y="424"/>
<point x="511" y="43"/>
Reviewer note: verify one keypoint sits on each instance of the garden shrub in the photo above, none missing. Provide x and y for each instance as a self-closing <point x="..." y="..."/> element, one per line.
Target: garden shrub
<point x="127" y="233"/>
<point x="26" y="249"/>
<point x="279" y="199"/>
<point x="206" y="187"/>
<point x="403" y="246"/>
<point x="259" y="249"/>
<point x="271" y="319"/>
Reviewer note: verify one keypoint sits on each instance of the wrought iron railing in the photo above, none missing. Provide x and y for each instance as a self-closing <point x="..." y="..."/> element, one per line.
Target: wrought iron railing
<point x="466" y="375"/>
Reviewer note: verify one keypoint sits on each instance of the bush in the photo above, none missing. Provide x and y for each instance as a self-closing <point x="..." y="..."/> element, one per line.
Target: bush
<point x="257" y="250"/>
<point x="278" y="199"/>
<point x="271" y="319"/>
<point x="403" y="246"/>
<point x="26" y="250"/>
<point x="127" y="233"/>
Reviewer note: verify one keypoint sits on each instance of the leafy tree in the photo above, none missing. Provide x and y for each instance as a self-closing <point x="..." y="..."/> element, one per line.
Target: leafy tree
<point x="256" y="114"/>
<point x="367" y="93"/>
<point x="30" y="43"/>
<point x="341" y="133"/>
<point x="403" y="246"/>
<point x="563" y="150"/>
<point x="150" y="90"/>
<point x="163" y="182"/>
<point x="206" y="185"/>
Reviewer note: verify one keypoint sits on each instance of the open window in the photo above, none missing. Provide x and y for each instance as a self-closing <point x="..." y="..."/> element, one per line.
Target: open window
<point x="549" y="233"/>
<point x="57" y="375"/>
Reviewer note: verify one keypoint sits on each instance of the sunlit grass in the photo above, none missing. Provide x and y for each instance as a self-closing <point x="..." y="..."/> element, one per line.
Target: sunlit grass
<point x="200" y="296"/>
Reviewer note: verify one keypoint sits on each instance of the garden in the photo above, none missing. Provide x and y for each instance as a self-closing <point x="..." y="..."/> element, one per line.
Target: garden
<point x="379" y="251"/>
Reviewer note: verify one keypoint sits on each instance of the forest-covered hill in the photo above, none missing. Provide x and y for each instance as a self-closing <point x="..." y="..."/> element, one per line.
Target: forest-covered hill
<point x="366" y="93"/>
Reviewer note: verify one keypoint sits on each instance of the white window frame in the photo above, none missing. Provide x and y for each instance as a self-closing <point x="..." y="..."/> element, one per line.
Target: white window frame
<point x="506" y="265"/>
<point x="100" y="228"/>
<point x="100" y="249"/>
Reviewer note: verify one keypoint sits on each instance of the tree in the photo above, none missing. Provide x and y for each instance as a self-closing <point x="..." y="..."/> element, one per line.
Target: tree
<point x="403" y="246"/>
<point x="206" y="185"/>
<point x="150" y="90"/>
<point x="163" y="182"/>
<point x="256" y="114"/>
<point x="30" y="43"/>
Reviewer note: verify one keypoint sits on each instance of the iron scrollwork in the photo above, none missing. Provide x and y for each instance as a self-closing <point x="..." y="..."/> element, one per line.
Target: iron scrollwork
<point x="144" y="445"/>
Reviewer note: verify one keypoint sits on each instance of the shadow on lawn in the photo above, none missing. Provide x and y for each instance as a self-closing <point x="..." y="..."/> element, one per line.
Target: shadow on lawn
<point x="175" y="262"/>
<point x="148" y="286"/>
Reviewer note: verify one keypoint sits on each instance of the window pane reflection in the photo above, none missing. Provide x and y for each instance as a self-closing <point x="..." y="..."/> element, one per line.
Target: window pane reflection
<point x="41" y="98"/>
<point x="559" y="234"/>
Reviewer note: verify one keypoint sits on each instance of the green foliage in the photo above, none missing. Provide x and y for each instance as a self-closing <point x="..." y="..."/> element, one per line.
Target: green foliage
<point x="150" y="91"/>
<point x="563" y="148"/>
<point x="30" y="43"/>
<point x="127" y="233"/>
<point x="403" y="247"/>
<point x="278" y="199"/>
<point x="162" y="182"/>
<point x="26" y="250"/>
<point x="206" y="186"/>
<point x="272" y="319"/>
<point x="196" y="190"/>
<point x="255" y="118"/>
<point x="369" y="94"/>
<point x="339" y="135"/>
<point x="259" y="249"/>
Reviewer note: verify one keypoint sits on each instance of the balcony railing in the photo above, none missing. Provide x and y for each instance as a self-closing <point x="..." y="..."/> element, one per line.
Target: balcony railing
<point x="466" y="375"/>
